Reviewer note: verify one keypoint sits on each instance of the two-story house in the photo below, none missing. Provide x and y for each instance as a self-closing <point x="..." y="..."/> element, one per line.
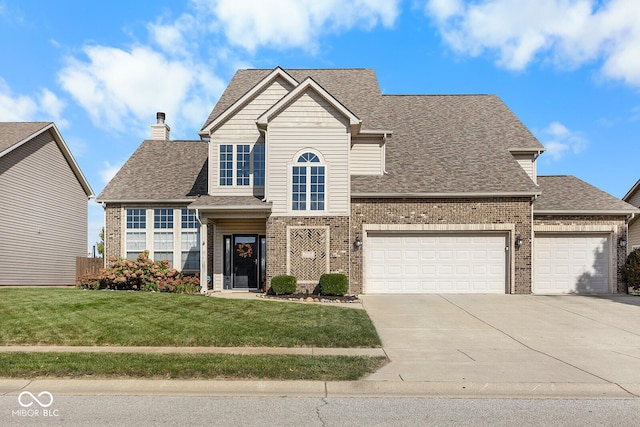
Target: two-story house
<point x="304" y="172"/>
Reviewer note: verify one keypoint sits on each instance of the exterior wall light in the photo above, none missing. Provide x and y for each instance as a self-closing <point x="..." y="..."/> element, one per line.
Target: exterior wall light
<point x="357" y="244"/>
<point x="622" y="242"/>
<point x="519" y="241"/>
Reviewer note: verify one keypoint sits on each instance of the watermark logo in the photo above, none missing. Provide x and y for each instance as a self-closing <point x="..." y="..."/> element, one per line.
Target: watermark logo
<point x="25" y="402"/>
<point x="35" y="405"/>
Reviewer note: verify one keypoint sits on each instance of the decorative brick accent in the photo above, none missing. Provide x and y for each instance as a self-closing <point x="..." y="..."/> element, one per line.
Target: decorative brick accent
<point x="616" y="225"/>
<point x="507" y="212"/>
<point x="277" y="249"/>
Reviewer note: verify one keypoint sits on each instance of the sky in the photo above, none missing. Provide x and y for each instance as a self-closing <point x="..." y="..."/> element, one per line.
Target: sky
<point x="569" y="69"/>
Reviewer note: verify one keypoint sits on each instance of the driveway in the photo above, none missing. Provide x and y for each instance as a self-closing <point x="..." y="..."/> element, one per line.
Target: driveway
<point x="508" y="338"/>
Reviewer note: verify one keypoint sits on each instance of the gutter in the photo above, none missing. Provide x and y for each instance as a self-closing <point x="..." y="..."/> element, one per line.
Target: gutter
<point x="444" y="195"/>
<point x="145" y="201"/>
<point x="595" y="212"/>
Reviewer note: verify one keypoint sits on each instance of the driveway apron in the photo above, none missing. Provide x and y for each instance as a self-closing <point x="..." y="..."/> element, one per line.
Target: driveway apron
<point x="508" y="338"/>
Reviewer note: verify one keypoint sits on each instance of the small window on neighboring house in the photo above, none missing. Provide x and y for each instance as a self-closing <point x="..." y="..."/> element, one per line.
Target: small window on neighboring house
<point x="258" y="165"/>
<point x="243" y="164"/>
<point x="308" y="184"/>
<point x="226" y="165"/>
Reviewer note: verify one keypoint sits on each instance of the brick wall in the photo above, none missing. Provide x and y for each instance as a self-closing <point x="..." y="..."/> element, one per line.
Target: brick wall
<point x="515" y="212"/>
<point x="113" y="230"/>
<point x="277" y="244"/>
<point x="616" y="225"/>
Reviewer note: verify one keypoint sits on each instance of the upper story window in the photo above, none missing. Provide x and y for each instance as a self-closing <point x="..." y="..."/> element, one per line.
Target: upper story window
<point x="239" y="162"/>
<point x="308" y="184"/>
<point x="163" y="218"/>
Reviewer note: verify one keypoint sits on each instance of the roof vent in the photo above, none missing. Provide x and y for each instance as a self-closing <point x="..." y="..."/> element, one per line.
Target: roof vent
<point x="160" y="130"/>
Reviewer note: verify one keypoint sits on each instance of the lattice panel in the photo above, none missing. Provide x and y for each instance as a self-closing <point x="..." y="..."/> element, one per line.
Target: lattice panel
<point x="308" y="253"/>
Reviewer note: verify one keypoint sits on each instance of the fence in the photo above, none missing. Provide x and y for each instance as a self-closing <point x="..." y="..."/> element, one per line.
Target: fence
<point x="86" y="265"/>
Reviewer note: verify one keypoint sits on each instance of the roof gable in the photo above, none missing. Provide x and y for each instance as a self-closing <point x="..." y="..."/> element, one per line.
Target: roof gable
<point x="307" y="85"/>
<point x="15" y="134"/>
<point x="244" y="99"/>
<point x="632" y="192"/>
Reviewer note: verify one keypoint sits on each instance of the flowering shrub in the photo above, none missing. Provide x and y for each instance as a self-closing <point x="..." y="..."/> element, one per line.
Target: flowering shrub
<point x="142" y="274"/>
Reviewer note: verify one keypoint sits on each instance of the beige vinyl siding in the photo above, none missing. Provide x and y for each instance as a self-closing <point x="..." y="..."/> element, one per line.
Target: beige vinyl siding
<point x="223" y="227"/>
<point x="635" y="199"/>
<point x="367" y="157"/>
<point x="241" y="128"/>
<point x="43" y="216"/>
<point x="230" y="190"/>
<point x="634" y="235"/>
<point x="309" y="122"/>
<point x="528" y="163"/>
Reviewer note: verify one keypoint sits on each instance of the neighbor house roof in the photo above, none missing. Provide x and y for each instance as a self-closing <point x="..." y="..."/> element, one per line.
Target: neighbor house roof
<point x="15" y="134"/>
<point x="161" y="171"/>
<point x="570" y="195"/>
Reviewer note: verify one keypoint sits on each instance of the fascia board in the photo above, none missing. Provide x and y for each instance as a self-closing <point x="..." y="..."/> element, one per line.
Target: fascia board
<point x="444" y="195"/>
<point x="144" y="201"/>
<point x="277" y="72"/>
<point x="585" y="212"/>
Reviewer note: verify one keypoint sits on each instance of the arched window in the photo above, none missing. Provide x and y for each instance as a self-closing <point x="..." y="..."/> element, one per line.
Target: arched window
<point x="308" y="183"/>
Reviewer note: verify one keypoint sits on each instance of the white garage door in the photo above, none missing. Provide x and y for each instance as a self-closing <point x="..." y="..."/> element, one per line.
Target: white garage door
<point x="435" y="263"/>
<point x="571" y="264"/>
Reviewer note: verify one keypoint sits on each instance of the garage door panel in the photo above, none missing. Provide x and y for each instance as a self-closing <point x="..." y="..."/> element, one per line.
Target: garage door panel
<point x="433" y="263"/>
<point x="571" y="264"/>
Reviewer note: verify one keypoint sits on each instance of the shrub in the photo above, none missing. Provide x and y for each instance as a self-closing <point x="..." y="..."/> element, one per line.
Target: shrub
<point x="631" y="270"/>
<point x="284" y="284"/>
<point x="142" y="274"/>
<point x="334" y="284"/>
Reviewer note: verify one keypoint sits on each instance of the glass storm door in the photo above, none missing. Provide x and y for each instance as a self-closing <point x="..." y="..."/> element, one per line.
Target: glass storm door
<point x="245" y="261"/>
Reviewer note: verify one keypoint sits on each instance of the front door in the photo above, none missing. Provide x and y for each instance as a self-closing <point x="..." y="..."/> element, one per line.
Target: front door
<point x="245" y="261"/>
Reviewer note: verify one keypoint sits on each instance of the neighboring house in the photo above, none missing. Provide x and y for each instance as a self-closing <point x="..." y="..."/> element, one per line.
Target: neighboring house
<point x="633" y="198"/>
<point x="43" y="206"/>
<point x="304" y="172"/>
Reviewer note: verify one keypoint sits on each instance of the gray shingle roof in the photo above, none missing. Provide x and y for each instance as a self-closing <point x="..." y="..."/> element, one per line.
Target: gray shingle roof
<point x="356" y="88"/>
<point x="570" y="194"/>
<point x="450" y="144"/>
<point x="229" y="202"/>
<point x="161" y="170"/>
<point x="13" y="132"/>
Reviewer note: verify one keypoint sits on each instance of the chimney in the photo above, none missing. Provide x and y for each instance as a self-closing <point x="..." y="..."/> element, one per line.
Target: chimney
<point x="160" y="130"/>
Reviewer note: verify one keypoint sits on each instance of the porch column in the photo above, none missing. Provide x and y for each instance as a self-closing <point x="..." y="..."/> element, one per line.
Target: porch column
<point x="204" y="251"/>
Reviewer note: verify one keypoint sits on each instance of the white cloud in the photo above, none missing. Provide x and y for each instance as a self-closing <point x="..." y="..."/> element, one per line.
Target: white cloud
<point x="121" y="88"/>
<point x="569" y="33"/>
<point x="559" y="141"/>
<point x="44" y="106"/>
<point x="109" y="171"/>
<point x="294" y="23"/>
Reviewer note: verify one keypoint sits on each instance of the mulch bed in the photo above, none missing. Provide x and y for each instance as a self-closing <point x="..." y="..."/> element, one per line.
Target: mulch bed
<point x="315" y="298"/>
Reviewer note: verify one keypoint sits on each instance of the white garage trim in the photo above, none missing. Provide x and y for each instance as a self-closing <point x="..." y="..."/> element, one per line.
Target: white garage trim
<point x="568" y="263"/>
<point x="508" y="230"/>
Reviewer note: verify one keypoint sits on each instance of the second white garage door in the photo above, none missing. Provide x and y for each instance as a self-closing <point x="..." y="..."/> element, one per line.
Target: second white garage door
<point x="571" y="264"/>
<point x="435" y="263"/>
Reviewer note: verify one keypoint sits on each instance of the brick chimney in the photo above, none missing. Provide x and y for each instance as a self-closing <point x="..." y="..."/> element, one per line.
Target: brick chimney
<point x="160" y="130"/>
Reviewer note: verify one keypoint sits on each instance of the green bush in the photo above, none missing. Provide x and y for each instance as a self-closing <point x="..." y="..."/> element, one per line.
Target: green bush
<point x="334" y="284"/>
<point x="142" y="274"/>
<point x="631" y="270"/>
<point x="284" y="284"/>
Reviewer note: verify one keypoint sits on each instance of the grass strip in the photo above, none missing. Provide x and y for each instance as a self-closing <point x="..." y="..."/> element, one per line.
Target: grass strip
<point x="187" y="366"/>
<point x="38" y="316"/>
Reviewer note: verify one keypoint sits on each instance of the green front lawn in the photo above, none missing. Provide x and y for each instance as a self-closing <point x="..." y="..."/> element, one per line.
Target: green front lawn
<point x="40" y="316"/>
<point x="195" y="366"/>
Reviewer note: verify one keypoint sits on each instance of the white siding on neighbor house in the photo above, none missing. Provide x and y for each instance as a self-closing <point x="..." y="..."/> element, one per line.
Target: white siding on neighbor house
<point x="309" y="122"/>
<point x="223" y="227"/>
<point x="241" y="128"/>
<point x="635" y="199"/>
<point x="367" y="156"/>
<point x="528" y="163"/>
<point x="633" y="239"/>
<point x="43" y="216"/>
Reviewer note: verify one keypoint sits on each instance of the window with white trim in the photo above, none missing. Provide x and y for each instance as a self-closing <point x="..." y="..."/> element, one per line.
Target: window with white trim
<point x="308" y="183"/>
<point x="241" y="165"/>
<point x="177" y="241"/>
